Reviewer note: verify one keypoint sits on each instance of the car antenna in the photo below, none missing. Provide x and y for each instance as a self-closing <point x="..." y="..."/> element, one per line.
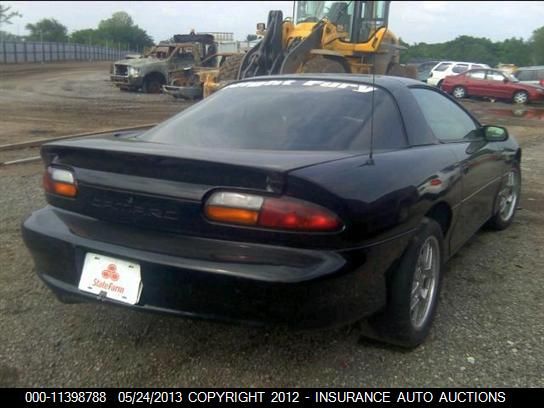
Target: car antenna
<point x="370" y="156"/>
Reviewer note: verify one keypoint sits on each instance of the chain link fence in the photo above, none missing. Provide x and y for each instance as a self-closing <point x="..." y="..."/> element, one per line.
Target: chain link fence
<point x="16" y="52"/>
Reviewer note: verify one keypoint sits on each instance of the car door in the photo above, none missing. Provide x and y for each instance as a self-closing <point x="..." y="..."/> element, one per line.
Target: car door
<point x="481" y="163"/>
<point x="497" y="85"/>
<point x="475" y="83"/>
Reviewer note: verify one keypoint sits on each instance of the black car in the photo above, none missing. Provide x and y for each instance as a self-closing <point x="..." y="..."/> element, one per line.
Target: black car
<point x="304" y="200"/>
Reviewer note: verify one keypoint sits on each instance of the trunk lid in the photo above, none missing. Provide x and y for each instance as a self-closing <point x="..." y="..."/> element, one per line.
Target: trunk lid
<point x="159" y="186"/>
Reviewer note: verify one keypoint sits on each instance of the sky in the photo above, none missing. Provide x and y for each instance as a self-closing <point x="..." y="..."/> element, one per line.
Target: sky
<point x="413" y="21"/>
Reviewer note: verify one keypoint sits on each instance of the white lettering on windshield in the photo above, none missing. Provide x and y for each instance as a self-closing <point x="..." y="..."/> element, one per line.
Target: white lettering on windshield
<point x="340" y="85"/>
<point x="324" y="84"/>
<point x="258" y="84"/>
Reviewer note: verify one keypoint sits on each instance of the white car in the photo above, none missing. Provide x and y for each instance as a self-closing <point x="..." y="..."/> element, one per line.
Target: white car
<point x="447" y="68"/>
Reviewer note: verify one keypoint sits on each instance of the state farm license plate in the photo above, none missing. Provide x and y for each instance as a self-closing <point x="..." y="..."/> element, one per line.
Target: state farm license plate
<point x="112" y="278"/>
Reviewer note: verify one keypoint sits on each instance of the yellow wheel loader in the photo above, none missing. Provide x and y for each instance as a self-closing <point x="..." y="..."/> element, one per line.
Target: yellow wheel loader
<point x="325" y="36"/>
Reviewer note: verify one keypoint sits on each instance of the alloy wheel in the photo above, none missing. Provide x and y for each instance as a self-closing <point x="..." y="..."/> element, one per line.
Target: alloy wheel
<point x="425" y="282"/>
<point x="459" y="92"/>
<point x="508" y="197"/>
<point x="520" y="97"/>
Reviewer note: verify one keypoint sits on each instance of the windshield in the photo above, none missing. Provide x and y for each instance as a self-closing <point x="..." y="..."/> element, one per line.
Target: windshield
<point x="510" y="77"/>
<point x="359" y="20"/>
<point x="275" y="115"/>
<point x="161" y="52"/>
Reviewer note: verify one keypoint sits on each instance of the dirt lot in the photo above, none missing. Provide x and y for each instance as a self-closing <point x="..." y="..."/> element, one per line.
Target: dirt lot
<point x="489" y="330"/>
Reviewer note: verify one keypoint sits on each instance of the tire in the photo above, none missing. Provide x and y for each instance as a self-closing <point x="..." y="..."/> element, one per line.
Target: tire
<point x="404" y="71"/>
<point x="404" y="322"/>
<point x="152" y="84"/>
<point x="520" y="97"/>
<point x="228" y="71"/>
<point x="459" y="92"/>
<point x="321" y="64"/>
<point x="506" y="201"/>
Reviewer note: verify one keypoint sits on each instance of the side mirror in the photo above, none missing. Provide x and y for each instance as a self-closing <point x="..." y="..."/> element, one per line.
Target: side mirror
<point x="495" y="133"/>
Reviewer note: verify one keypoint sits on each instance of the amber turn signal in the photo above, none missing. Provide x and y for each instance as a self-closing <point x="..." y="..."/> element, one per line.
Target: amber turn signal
<point x="60" y="182"/>
<point x="232" y="215"/>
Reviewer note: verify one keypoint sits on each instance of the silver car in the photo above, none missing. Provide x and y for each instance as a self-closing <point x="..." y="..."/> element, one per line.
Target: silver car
<point x="531" y="75"/>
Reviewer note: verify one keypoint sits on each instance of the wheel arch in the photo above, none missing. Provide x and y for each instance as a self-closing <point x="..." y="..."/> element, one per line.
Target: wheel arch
<point x="441" y="212"/>
<point x="155" y="74"/>
<point x="520" y="90"/>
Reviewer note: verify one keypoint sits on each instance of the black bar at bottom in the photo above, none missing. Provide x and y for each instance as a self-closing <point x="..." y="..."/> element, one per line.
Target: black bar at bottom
<point x="306" y="396"/>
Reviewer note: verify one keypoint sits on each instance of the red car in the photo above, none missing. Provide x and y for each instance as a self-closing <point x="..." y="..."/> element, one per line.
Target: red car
<point x="491" y="83"/>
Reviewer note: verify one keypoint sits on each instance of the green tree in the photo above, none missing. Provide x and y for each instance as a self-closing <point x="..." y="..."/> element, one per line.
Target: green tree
<point x="5" y="36"/>
<point x="120" y="28"/>
<point x="6" y="15"/>
<point x="86" y="36"/>
<point x="537" y="46"/>
<point x="5" y="18"/>
<point x="514" y="51"/>
<point x="47" y="29"/>
<point x="466" y="48"/>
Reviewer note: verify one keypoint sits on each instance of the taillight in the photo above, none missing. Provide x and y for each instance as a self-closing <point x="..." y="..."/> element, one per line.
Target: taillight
<point x="283" y="213"/>
<point x="542" y="82"/>
<point x="59" y="181"/>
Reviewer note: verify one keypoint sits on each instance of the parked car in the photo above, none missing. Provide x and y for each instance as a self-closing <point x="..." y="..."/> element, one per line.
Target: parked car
<point x="151" y="71"/>
<point x="253" y="206"/>
<point x="491" y="83"/>
<point x="530" y="75"/>
<point x="424" y="69"/>
<point x="447" y="68"/>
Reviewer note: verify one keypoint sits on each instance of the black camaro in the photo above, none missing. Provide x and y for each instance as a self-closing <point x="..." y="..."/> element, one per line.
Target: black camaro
<point x="305" y="200"/>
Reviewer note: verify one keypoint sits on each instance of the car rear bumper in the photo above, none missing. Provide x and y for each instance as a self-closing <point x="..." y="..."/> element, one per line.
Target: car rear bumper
<point x="185" y="92"/>
<point x="223" y="280"/>
<point x="433" y="81"/>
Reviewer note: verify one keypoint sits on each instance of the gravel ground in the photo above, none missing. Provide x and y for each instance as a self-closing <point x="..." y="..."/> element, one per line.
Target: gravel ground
<point x="489" y="330"/>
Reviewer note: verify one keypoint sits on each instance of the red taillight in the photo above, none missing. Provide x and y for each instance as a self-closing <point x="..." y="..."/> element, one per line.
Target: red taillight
<point x="60" y="182"/>
<point x="284" y="213"/>
<point x="542" y="82"/>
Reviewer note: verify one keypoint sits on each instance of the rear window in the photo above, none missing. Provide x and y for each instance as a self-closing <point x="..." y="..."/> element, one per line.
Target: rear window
<point x="526" y="75"/>
<point x="287" y="115"/>
<point x="459" y="68"/>
<point x="476" y="74"/>
<point x="442" y="67"/>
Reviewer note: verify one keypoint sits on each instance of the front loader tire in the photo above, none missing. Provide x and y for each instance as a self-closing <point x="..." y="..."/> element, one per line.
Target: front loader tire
<point x="228" y="71"/>
<point x="323" y="65"/>
<point x="399" y="70"/>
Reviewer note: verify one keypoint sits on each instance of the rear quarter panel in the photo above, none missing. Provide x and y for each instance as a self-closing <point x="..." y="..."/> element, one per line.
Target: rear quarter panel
<point x="389" y="195"/>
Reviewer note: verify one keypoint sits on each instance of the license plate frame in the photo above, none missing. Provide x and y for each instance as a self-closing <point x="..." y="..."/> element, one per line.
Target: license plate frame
<point x="111" y="278"/>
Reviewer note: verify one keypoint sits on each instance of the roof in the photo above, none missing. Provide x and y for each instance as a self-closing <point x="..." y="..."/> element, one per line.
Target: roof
<point x="536" y="67"/>
<point x="462" y="62"/>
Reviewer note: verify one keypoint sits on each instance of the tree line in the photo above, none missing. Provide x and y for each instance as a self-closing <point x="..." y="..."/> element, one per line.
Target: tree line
<point x="472" y="49"/>
<point x="118" y="30"/>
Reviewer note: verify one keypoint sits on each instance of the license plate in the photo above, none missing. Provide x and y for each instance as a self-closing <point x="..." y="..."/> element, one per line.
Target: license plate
<point x="112" y="278"/>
